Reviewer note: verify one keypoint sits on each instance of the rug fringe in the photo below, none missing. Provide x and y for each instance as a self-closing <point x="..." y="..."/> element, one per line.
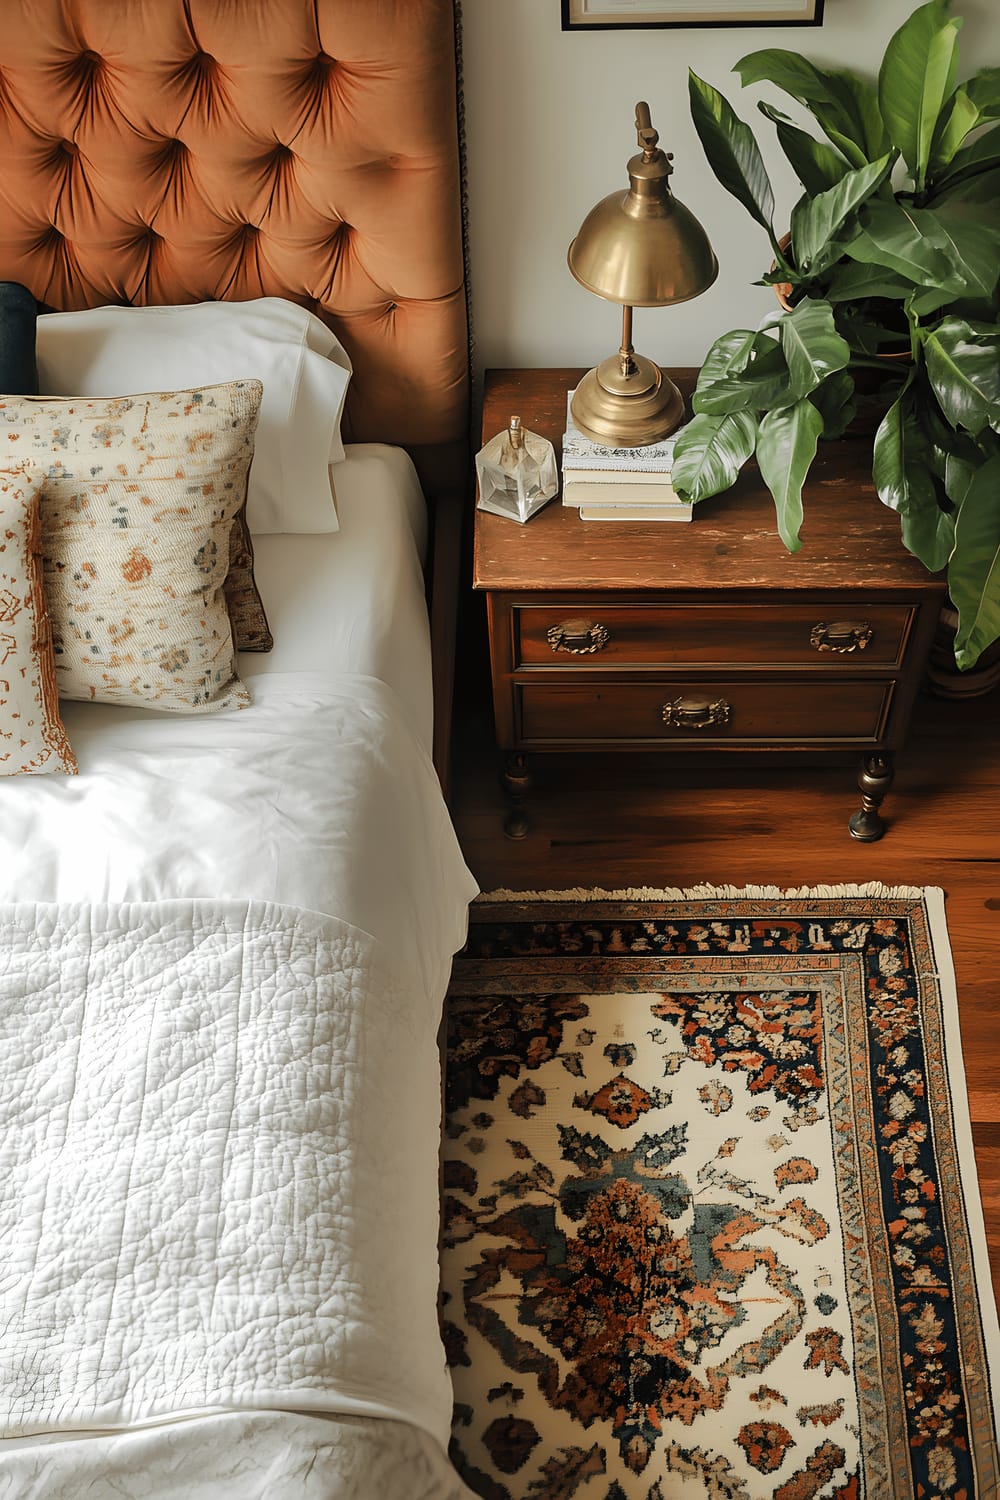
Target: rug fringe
<point x="713" y="892"/>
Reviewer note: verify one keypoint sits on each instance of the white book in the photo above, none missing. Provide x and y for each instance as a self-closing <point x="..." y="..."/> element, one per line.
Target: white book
<point x="634" y="479"/>
<point x="610" y="492"/>
<point x="580" y="452"/>
<point x="678" y="512"/>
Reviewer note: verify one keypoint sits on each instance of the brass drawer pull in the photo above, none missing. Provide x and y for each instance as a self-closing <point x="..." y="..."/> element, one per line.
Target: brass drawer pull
<point x="841" y="636"/>
<point x="696" y="713"/>
<point x="579" y="637"/>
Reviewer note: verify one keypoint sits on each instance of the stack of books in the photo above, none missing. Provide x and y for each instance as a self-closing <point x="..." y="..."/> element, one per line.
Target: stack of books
<point x="619" y="484"/>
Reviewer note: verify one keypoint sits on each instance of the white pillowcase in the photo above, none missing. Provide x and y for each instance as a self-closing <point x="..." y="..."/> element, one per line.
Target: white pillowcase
<point x="125" y="351"/>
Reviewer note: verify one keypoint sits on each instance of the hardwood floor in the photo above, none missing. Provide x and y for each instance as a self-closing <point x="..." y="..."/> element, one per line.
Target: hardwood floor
<point x="638" y="820"/>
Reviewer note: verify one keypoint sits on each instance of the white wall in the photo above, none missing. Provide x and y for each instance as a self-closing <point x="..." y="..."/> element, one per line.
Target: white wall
<point x="549" y="129"/>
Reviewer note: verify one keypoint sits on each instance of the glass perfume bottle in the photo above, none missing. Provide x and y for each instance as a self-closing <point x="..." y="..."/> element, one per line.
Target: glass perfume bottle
<point x="517" y="473"/>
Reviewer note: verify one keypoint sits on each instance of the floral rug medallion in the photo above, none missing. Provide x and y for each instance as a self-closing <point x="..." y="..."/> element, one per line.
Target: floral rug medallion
<point x="711" y="1221"/>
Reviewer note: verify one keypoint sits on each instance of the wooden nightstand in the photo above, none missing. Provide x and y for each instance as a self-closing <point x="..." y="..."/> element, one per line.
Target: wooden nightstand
<point x="702" y="636"/>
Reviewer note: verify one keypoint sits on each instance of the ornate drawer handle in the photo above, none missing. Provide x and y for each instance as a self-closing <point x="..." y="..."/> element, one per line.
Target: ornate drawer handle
<point x="579" y="637"/>
<point x="841" y="636"/>
<point x="696" y="713"/>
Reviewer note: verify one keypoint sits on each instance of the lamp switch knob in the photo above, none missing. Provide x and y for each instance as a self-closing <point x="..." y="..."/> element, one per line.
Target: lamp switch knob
<point x="648" y="137"/>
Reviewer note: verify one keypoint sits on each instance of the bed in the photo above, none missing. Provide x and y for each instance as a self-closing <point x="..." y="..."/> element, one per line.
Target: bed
<point x="226" y="938"/>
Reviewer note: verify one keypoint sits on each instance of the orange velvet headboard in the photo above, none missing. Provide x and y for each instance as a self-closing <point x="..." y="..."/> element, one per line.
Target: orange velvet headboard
<point x="163" y="151"/>
<point x="159" y="151"/>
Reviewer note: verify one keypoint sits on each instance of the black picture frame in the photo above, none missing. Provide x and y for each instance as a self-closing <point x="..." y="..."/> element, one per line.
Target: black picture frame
<point x="663" y="15"/>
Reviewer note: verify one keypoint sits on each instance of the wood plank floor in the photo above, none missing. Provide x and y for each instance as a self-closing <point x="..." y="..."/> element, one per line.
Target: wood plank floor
<point x="637" y="820"/>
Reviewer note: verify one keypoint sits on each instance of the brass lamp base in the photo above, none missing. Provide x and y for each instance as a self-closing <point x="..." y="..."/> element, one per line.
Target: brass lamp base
<point x="626" y="409"/>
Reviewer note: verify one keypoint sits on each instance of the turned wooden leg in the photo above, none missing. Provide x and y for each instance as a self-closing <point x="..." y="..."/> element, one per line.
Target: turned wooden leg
<point x="874" y="780"/>
<point x="517" y="783"/>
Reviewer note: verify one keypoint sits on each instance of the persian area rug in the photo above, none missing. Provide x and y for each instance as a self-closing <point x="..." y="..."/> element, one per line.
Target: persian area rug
<point x="712" y="1227"/>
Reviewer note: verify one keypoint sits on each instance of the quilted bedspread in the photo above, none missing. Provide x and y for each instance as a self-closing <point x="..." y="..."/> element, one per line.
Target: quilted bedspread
<point x="197" y="1099"/>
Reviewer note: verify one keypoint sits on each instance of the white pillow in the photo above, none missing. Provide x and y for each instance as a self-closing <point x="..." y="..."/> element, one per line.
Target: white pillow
<point x="125" y="351"/>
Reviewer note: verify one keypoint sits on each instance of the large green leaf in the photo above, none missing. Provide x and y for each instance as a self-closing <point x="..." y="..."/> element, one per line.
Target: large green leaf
<point x="844" y="106"/>
<point x="855" y="281"/>
<point x="834" y="400"/>
<point x="916" y="77"/>
<point x="923" y="302"/>
<point x="929" y="533"/>
<point x="916" y="244"/>
<point x="976" y="189"/>
<point x="709" y="453"/>
<point x="963" y="366"/>
<point x="731" y="354"/>
<point x="974" y="103"/>
<point x="974" y="567"/>
<point x="816" y="165"/>
<point x="903" y="468"/>
<point x="732" y="151"/>
<point x="812" y="346"/>
<point x="960" y="470"/>
<point x="816" y="219"/>
<point x="970" y="234"/>
<point x="764" y="383"/>
<point x="983" y="88"/>
<point x="958" y="116"/>
<point x="979" y="156"/>
<point x="786" y="446"/>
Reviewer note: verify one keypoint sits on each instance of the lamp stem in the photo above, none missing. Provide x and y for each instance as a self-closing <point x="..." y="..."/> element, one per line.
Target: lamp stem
<point x="625" y="353"/>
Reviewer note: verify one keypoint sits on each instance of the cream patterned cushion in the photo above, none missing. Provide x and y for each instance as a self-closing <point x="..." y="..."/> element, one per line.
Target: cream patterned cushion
<point x="32" y="737"/>
<point x="139" y="498"/>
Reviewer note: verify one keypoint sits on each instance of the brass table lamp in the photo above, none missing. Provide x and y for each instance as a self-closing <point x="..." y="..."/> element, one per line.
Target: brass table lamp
<point x="641" y="248"/>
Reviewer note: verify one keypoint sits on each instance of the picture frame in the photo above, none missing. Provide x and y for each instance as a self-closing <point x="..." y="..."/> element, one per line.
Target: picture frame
<point x="652" y="15"/>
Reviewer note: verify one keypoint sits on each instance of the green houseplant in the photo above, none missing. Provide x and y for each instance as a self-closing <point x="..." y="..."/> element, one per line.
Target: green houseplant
<point x="894" y="245"/>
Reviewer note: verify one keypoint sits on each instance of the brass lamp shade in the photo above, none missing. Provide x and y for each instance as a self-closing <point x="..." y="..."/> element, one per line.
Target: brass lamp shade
<point x="642" y="248"/>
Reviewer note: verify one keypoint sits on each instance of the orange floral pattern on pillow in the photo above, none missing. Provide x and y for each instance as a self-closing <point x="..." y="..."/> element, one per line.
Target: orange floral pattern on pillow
<point x="32" y="736"/>
<point x="139" y="498"/>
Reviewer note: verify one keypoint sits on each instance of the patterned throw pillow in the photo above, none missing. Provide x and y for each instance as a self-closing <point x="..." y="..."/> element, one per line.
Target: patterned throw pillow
<point x="32" y="737"/>
<point x="251" y="631"/>
<point x="139" y="499"/>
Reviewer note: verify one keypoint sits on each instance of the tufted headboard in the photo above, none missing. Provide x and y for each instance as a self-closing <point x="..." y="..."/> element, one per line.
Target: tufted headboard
<point x="162" y="151"/>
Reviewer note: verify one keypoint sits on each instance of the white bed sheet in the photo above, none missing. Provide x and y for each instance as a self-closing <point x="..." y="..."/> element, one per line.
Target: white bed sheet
<point x="353" y="600"/>
<point x="320" y="795"/>
<point x="243" y="804"/>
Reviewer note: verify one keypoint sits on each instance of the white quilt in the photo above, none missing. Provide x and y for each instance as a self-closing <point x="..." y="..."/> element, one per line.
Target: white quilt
<point x="196" y="1099"/>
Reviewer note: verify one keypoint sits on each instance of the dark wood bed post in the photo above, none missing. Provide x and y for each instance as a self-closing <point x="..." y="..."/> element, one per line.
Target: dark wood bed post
<point x="445" y="579"/>
<point x="449" y="506"/>
<point x="444" y="475"/>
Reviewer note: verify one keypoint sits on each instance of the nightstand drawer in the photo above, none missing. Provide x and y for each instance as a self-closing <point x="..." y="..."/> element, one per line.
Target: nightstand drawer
<point x="608" y="633"/>
<point x="697" y="713"/>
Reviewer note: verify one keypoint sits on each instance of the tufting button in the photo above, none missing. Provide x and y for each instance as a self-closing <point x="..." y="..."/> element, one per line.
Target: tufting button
<point x="170" y="154"/>
<point x="64" y="155"/>
<point x="319" y="69"/>
<point x="200" y="65"/>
